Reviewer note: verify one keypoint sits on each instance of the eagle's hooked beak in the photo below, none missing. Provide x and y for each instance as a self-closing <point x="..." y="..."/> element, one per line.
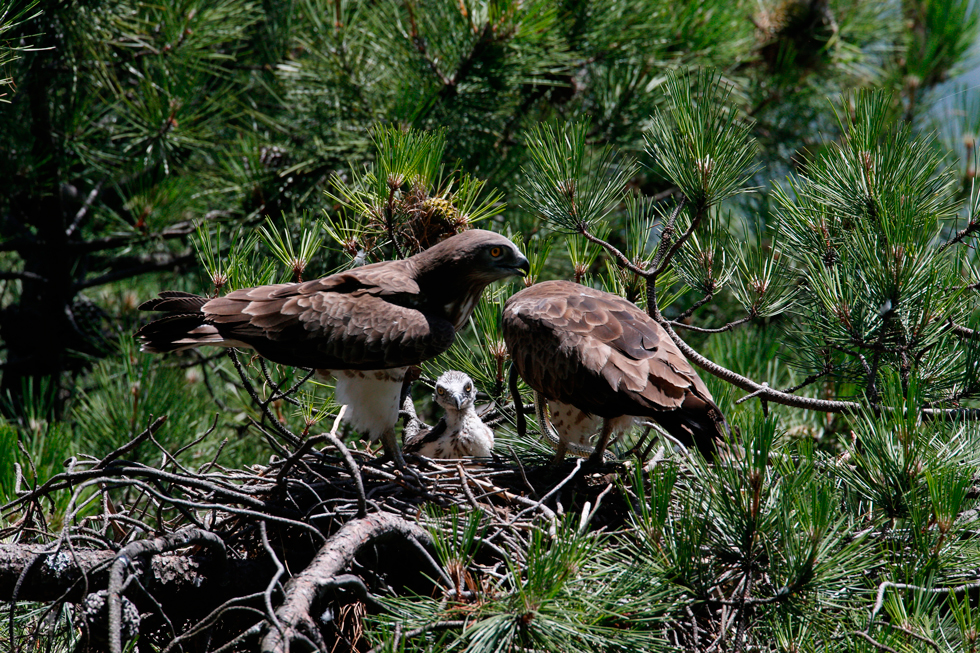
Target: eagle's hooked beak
<point x="523" y="265"/>
<point x="458" y="399"/>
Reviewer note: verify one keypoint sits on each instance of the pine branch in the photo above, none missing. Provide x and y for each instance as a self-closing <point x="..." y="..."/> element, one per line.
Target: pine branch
<point x="763" y="392"/>
<point x="961" y="331"/>
<point x="170" y="263"/>
<point x="760" y="390"/>
<point x="83" y="211"/>
<point x="813" y="378"/>
<point x="728" y="327"/>
<point x="619" y="256"/>
<point x="694" y="307"/>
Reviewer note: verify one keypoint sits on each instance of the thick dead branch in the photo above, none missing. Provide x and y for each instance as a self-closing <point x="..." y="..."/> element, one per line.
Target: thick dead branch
<point x="52" y="574"/>
<point x="303" y="590"/>
<point x="130" y="552"/>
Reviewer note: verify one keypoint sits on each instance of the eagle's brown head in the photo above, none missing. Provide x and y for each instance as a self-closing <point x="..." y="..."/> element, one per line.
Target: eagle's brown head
<point x="481" y="256"/>
<point x="454" y="272"/>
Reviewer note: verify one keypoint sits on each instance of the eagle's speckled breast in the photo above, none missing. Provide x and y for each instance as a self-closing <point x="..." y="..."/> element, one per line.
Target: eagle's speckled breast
<point x="465" y="435"/>
<point x="576" y="427"/>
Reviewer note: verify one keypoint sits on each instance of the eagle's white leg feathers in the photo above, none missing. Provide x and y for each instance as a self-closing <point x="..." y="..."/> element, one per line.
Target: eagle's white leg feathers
<point x="371" y="397"/>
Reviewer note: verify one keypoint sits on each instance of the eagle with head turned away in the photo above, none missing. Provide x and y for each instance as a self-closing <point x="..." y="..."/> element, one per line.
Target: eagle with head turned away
<point x="592" y="353"/>
<point x="364" y="326"/>
<point x="460" y="432"/>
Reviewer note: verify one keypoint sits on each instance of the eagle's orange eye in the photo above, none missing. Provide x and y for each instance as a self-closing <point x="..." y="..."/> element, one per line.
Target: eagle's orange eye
<point x="441" y="391"/>
<point x="468" y="388"/>
<point x="496" y="251"/>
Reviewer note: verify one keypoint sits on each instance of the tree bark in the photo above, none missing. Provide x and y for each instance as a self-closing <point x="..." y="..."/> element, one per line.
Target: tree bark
<point x="303" y="590"/>
<point x="69" y="575"/>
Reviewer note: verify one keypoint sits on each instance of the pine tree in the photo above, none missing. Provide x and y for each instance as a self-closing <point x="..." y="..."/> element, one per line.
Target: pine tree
<point x="765" y="179"/>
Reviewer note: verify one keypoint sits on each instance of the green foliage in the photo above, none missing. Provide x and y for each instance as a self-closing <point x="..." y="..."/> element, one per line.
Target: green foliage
<point x="567" y="591"/>
<point x="704" y="264"/>
<point x="862" y="230"/>
<point x="568" y="184"/>
<point x="128" y="393"/>
<point x="774" y="511"/>
<point x="134" y="131"/>
<point x="699" y="140"/>
<point x="431" y="66"/>
<point x="406" y="201"/>
<point x="38" y="457"/>
<point x="238" y="265"/>
<point x="11" y="17"/>
<point x="764" y="286"/>
<point x="538" y="251"/>
<point x="281" y="245"/>
<point x="943" y="33"/>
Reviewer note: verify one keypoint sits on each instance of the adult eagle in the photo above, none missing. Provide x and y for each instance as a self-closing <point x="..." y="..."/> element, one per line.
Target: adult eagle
<point x="591" y="351"/>
<point x="364" y="326"/>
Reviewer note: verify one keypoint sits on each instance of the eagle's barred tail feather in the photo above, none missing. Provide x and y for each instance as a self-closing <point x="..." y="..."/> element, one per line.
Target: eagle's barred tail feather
<point x="184" y="328"/>
<point x="175" y="301"/>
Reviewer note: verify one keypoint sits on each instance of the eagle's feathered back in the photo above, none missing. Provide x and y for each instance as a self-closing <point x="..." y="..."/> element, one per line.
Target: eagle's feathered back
<point x="379" y="316"/>
<point x="602" y="354"/>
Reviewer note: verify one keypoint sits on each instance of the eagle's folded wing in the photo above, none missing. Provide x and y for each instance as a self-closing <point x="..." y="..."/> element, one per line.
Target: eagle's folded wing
<point x="425" y="436"/>
<point x="346" y="326"/>
<point x="569" y="342"/>
<point x="601" y="354"/>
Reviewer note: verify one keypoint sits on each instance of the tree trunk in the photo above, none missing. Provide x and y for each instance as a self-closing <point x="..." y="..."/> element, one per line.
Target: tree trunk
<point x="38" y="330"/>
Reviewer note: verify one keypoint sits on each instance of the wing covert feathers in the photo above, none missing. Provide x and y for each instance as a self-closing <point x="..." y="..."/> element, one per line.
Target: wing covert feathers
<point x="378" y="316"/>
<point x="302" y="325"/>
<point x="602" y="354"/>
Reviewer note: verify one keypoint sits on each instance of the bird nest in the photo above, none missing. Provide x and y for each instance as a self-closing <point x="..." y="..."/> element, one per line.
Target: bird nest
<point x="198" y="558"/>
